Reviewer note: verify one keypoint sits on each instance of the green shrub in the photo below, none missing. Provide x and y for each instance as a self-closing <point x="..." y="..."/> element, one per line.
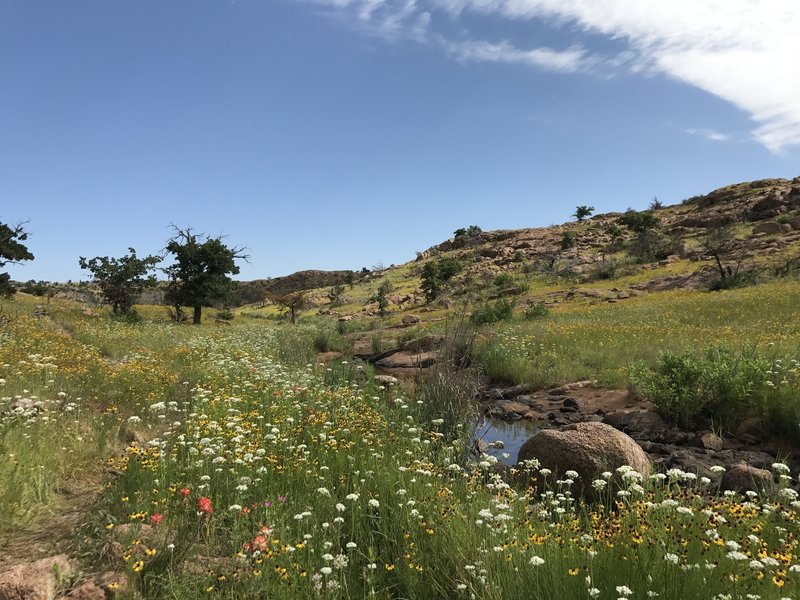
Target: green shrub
<point x="778" y="398"/>
<point x="568" y="240"/>
<point x="652" y="245"/>
<point x="535" y="310"/>
<point x="503" y="280"/>
<point x="225" y="314"/>
<point x="736" y="280"/>
<point x="493" y="312"/>
<point x="605" y="270"/>
<point x="639" y="221"/>
<point x="435" y="274"/>
<point x="131" y="317"/>
<point x="503" y="364"/>
<point x="690" y="387"/>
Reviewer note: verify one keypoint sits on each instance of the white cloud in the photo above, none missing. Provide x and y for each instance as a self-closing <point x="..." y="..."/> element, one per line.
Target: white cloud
<point x="569" y="60"/>
<point x="709" y="134"/>
<point x="746" y="52"/>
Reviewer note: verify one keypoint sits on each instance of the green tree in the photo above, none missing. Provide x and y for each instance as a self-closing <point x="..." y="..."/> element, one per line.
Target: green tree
<point x="199" y="276"/>
<point x="719" y="241"/>
<point x="568" y="240"/>
<point x="12" y="252"/>
<point x="581" y="212"/>
<point x="467" y="236"/>
<point x="292" y="303"/>
<point x="335" y="294"/>
<point x="121" y="280"/>
<point x="435" y="274"/>
<point x="382" y="297"/>
<point x="639" y="221"/>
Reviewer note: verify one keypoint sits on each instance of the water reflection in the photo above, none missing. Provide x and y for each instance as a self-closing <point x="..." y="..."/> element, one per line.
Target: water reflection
<point x="512" y="434"/>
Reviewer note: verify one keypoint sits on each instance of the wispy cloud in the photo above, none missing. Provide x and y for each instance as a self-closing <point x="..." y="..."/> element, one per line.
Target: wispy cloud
<point x="570" y="60"/>
<point x="709" y="134"/>
<point x="743" y="51"/>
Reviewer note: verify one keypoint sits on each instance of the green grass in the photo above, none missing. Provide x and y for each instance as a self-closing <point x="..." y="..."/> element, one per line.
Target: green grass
<point x="321" y="484"/>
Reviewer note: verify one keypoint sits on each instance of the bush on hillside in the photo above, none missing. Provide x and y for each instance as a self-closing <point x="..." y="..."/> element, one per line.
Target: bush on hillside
<point x="493" y="312"/>
<point x="691" y="388"/>
<point x="536" y="310"/>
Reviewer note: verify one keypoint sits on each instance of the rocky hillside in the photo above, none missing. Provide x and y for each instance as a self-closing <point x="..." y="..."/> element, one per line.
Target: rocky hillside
<point x="742" y="230"/>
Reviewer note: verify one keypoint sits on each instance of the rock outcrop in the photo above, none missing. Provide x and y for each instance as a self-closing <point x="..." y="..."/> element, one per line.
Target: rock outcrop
<point x="587" y="448"/>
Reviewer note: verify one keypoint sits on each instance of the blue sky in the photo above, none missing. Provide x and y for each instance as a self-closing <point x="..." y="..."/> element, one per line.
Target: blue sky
<point x="342" y="133"/>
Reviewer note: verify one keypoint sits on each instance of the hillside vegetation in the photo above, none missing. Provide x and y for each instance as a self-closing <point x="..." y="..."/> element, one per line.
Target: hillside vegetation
<point x="250" y="457"/>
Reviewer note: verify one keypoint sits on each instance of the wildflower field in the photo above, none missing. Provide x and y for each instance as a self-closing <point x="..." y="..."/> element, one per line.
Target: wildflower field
<point x="227" y="462"/>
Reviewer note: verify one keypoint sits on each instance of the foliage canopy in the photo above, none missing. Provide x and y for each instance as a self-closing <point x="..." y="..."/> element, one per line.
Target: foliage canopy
<point x="12" y="251"/>
<point x="199" y="276"/>
<point x="121" y="280"/>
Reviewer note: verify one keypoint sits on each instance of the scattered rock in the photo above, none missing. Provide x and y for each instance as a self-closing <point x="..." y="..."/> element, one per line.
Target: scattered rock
<point x="385" y="379"/>
<point x="37" y="580"/>
<point x="88" y="590"/>
<point x="409" y="320"/>
<point x="572" y="403"/>
<point x="114" y="583"/>
<point x="742" y="477"/>
<point x="481" y="446"/>
<point x="768" y="227"/>
<point x="324" y="357"/>
<point x="711" y="441"/>
<point x="588" y="448"/>
<point x="408" y="360"/>
<point x="426" y="343"/>
<point x="131" y="436"/>
<point x="752" y="426"/>
<point x="508" y="393"/>
<point x="749" y="439"/>
<point x="640" y="425"/>
<point x="25" y="406"/>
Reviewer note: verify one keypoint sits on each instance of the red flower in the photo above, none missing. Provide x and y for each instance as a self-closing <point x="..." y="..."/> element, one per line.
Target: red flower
<point x="184" y="491"/>
<point x="156" y="518"/>
<point x="204" y="505"/>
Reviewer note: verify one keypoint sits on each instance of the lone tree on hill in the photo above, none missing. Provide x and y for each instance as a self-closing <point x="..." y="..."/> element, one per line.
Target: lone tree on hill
<point x="12" y="252"/>
<point x="436" y="274"/>
<point x="122" y="280"/>
<point x="292" y="303"/>
<point x="639" y="221"/>
<point x="382" y="298"/>
<point x="719" y="241"/>
<point x="199" y="276"/>
<point x="581" y="212"/>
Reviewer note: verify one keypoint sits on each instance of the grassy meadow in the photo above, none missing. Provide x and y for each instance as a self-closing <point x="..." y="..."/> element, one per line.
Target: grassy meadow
<point x="225" y="461"/>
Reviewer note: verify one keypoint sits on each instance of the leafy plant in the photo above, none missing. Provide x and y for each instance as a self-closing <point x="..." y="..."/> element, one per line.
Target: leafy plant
<point x="121" y="280"/>
<point x="638" y="221"/>
<point x="568" y="240"/>
<point x="493" y="312"/>
<point x="581" y="212"/>
<point x="688" y="387"/>
<point x="12" y="251"/>
<point x="435" y="274"/>
<point x="535" y="310"/>
<point x="503" y="280"/>
<point x="199" y="276"/>
<point x="652" y="245"/>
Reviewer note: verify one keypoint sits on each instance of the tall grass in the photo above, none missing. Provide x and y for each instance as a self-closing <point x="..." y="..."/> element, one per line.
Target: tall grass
<point x="269" y="476"/>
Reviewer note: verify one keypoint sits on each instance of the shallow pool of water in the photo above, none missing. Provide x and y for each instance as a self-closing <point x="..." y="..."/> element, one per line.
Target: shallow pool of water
<point x="512" y="434"/>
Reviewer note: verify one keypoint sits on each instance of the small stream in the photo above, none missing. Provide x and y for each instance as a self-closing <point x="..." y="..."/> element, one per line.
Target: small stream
<point x="512" y="434"/>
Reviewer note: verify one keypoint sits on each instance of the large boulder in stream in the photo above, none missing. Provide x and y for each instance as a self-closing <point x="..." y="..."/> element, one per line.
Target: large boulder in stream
<point x="588" y="448"/>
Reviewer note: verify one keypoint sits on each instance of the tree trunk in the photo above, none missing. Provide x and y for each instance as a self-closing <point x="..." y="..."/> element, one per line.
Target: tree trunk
<point x="292" y="314"/>
<point x="197" y="311"/>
